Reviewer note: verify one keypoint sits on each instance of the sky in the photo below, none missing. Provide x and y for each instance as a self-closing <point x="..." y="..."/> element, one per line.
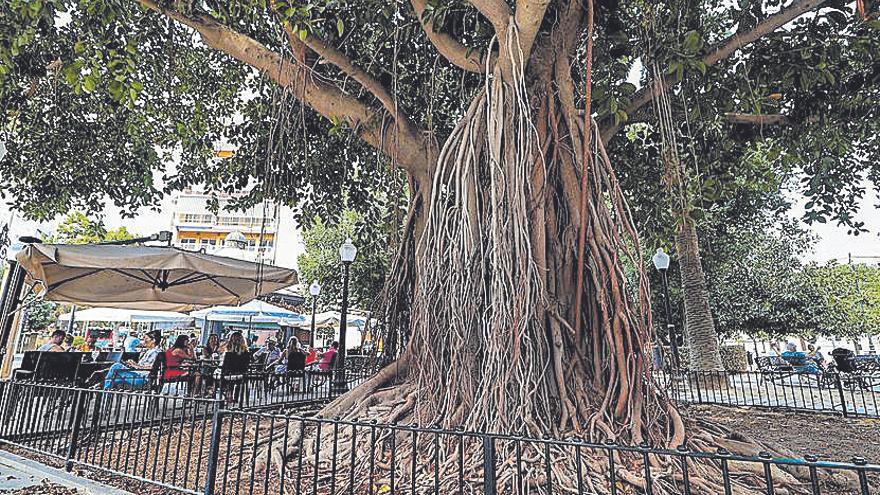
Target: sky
<point x="833" y="241"/>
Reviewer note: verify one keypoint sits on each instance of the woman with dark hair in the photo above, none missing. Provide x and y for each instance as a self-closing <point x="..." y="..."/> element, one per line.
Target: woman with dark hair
<point x="131" y="374"/>
<point x="212" y="347"/>
<point x="174" y="357"/>
<point x="236" y="344"/>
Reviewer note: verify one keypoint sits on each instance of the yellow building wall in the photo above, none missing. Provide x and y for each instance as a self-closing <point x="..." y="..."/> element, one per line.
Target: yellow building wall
<point x="219" y="236"/>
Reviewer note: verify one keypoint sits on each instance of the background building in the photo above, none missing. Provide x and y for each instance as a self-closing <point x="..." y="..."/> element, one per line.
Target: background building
<point x="195" y="227"/>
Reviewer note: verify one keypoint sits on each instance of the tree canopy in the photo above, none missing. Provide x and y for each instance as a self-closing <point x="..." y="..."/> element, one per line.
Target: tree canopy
<point x="99" y="96"/>
<point x="852" y="293"/>
<point x="76" y="228"/>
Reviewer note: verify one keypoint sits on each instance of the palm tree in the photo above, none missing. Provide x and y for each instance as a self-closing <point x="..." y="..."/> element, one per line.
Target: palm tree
<point x="700" y="335"/>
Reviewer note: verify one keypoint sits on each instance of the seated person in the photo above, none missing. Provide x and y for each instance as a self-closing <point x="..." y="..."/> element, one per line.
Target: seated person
<point x="312" y="356"/>
<point x="270" y="350"/>
<point x="797" y="359"/>
<point x="212" y="348"/>
<point x="327" y="357"/>
<point x="236" y="344"/>
<point x="816" y="355"/>
<point x="293" y="359"/>
<point x="132" y="374"/>
<point x="174" y="357"/>
<point x="89" y="345"/>
<point x="293" y="354"/>
<point x="55" y="342"/>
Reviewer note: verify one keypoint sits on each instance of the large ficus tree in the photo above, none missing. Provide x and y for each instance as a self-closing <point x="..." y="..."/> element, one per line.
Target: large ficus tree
<point x="518" y="280"/>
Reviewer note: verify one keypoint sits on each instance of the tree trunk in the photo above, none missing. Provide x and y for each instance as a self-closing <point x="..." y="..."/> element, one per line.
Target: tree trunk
<point x="702" y="340"/>
<point x="482" y="292"/>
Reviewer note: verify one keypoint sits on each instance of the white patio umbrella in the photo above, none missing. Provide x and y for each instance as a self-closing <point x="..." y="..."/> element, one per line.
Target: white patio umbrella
<point x="117" y="315"/>
<point x="147" y="277"/>
<point x="255" y="311"/>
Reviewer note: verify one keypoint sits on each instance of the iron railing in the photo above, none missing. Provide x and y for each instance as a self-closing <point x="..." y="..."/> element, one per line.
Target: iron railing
<point x="827" y="392"/>
<point x="198" y="446"/>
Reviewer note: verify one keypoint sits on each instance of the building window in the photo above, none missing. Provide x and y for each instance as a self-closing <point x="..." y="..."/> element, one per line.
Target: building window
<point x="194" y="218"/>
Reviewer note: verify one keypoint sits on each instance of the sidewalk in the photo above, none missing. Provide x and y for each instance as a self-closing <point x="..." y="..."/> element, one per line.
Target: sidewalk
<point x="20" y="475"/>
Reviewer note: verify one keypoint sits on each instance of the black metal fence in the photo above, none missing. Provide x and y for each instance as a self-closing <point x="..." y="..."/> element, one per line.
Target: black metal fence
<point x="198" y="446"/>
<point x="160" y="439"/>
<point x="827" y="392"/>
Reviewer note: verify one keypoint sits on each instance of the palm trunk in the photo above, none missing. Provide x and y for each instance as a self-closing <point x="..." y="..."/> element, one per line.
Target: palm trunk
<point x="700" y="334"/>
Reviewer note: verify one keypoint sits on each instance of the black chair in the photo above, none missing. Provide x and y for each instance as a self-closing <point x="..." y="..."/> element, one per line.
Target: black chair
<point x="58" y="367"/>
<point x="295" y="366"/>
<point x="232" y="377"/>
<point x="157" y="377"/>
<point x="28" y="366"/>
<point x="851" y="374"/>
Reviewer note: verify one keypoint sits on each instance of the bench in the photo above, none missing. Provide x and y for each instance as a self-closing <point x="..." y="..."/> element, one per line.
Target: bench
<point x="773" y="368"/>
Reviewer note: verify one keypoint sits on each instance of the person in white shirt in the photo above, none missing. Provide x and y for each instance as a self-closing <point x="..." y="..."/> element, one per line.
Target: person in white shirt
<point x="133" y="375"/>
<point x="271" y="351"/>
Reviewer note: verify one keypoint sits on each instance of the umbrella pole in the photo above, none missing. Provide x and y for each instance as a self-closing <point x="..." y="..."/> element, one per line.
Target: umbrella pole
<point x="72" y="319"/>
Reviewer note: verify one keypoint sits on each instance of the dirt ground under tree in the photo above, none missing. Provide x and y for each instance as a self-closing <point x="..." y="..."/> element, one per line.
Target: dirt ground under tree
<point x="828" y="437"/>
<point x="831" y="438"/>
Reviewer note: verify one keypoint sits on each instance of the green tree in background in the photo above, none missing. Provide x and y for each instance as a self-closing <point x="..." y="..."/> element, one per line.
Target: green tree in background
<point x="760" y="286"/>
<point x="40" y="313"/>
<point x="76" y="228"/>
<point x="852" y="292"/>
<point x="320" y="261"/>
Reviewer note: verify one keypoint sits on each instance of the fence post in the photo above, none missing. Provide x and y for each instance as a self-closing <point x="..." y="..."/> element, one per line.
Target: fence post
<point x="841" y="394"/>
<point x="488" y="465"/>
<point x="79" y="408"/>
<point x="699" y="392"/>
<point x="214" y="449"/>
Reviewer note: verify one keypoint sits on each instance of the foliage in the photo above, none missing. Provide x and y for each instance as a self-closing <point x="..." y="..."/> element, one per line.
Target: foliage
<point x="79" y="78"/>
<point x="759" y="285"/>
<point x="320" y="261"/>
<point x="40" y="314"/>
<point x="853" y="293"/>
<point x="76" y="228"/>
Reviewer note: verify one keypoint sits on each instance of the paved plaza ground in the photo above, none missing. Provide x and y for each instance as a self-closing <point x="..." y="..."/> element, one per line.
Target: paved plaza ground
<point x="795" y="392"/>
<point x="21" y="476"/>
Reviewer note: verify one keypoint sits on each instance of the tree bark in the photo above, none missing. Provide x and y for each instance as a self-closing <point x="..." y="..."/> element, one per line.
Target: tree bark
<point x="702" y="340"/>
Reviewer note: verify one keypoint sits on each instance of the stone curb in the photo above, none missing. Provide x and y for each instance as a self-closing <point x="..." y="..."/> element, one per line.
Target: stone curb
<point x="26" y="472"/>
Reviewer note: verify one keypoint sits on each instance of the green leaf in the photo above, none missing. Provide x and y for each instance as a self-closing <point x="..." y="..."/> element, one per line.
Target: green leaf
<point x="692" y="41"/>
<point x="89" y="83"/>
<point x="340" y="27"/>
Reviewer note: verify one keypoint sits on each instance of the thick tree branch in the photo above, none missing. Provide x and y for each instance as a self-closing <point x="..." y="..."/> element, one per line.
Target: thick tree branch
<point x="453" y="51"/>
<point x="757" y="119"/>
<point x="529" y="15"/>
<point x="340" y="60"/>
<point x="496" y="11"/>
<point x="401" y="140"/>
<point x="720" y="52"/>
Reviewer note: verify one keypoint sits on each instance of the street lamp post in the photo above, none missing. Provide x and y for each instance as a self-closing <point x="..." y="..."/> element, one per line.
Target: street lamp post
<point x="661" y="263"/>
<point x="347" y="252"/>
<point x="314" y="290"/>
